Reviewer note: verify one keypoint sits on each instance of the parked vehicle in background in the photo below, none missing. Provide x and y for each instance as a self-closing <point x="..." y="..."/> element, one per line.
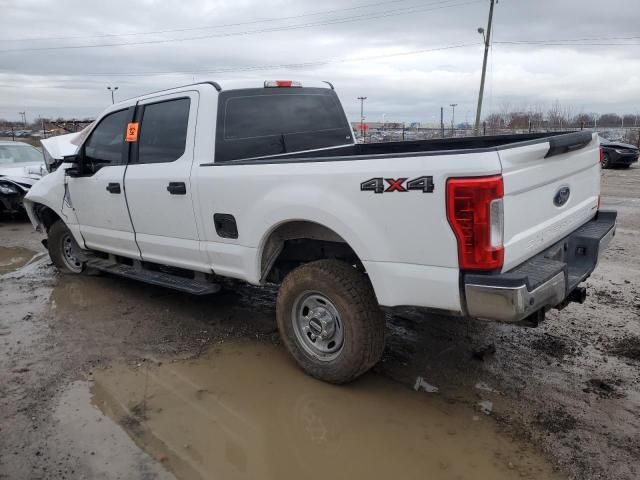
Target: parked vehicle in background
<point x="263" y="182"/>
<point x="21" y="165"/>
<point x="616" y="154"/>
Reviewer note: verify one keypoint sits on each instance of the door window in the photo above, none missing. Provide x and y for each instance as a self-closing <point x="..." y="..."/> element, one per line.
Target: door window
<point x="104" y="147"/>
<point x="163" y="131"/>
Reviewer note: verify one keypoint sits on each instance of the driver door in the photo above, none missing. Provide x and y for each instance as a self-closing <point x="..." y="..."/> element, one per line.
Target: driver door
<point x="97" y="194"/>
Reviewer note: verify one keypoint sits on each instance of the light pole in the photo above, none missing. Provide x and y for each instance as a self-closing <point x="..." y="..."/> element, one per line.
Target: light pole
<point x="453" y="115"/>
<point x="112" y="90"/>
<point x="362" y="99"/>
<point x="487" y="42"/>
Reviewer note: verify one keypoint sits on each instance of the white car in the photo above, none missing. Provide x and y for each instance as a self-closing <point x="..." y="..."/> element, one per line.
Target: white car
<point x="263" y="182"/>
<point x="21" y="165"/>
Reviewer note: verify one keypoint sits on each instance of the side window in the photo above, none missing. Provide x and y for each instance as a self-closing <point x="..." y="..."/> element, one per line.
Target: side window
<point x="163" y="131"/>
<point x="104" y="147"/>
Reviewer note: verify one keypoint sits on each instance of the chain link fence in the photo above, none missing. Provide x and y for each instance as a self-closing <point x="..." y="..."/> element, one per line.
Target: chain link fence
<point x="629" y="135"/>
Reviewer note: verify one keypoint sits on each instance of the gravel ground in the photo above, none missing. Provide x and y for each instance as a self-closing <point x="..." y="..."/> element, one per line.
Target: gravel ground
<point x="569" y="388"/>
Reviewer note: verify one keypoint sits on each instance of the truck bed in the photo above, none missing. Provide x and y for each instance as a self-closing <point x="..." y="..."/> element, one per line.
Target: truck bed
<point x="362" y="151"/>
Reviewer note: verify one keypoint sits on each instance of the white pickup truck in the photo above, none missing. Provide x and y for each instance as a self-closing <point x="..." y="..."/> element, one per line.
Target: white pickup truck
<point x="263" y="182"/>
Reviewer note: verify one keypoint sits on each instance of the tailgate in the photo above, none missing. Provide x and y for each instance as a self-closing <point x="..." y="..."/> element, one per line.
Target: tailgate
<point x="551" y="187"/>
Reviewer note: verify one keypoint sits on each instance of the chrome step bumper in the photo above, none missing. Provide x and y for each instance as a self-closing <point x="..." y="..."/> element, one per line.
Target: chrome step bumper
<point x="544" y="281"/>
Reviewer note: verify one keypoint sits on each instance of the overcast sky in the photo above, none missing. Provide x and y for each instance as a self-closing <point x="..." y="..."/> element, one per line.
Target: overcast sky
<point x="384" y="50"/>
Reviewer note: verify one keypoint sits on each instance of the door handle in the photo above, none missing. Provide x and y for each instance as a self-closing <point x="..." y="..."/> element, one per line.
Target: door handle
<point x="177" y="188"/>
<point x="113" y="188"/>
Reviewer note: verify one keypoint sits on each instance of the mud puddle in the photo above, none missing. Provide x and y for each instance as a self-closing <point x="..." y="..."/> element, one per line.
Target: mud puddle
<point x="95" y="446"/>
<point x="12" y="258"/>
<point x="243" y="410"/>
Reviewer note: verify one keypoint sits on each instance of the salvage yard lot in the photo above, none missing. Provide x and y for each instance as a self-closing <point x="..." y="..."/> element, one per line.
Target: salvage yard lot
<point x="92" y="366"/>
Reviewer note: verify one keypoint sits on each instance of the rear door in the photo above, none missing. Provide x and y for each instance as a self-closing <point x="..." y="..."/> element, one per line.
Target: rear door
<point x="550" y="189"/>
<point x="157" y="181"/>
<point x="98" y="195"/>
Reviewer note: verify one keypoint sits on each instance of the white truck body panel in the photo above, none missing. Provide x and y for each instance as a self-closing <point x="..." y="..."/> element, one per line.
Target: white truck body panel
<point x="166" y="228"/>
<point x="411" y="231"/>
<point x="104" y="220"/>
<point x="531" y="221"/>
<point x="404" y="240"/>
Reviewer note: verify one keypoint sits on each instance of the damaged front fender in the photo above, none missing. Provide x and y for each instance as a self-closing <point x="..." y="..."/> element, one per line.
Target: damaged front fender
<point x="51" y="192"/>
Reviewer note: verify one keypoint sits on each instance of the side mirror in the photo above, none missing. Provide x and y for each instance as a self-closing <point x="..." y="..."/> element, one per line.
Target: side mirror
<point x="75" y="170"/>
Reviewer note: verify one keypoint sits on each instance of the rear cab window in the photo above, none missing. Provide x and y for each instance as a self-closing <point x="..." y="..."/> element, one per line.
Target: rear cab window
<point x="260" y="122"/>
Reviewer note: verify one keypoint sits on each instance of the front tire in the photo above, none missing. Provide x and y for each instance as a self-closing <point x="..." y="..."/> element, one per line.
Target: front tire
<point x="330" y="321"/>
<point x="64" y="251"/>
<point x="606" y="160"/>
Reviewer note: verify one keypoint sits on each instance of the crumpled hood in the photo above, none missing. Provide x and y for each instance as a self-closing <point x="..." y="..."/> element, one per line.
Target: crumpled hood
<point x="27" y="174"/>
<point x="56" y="148"/>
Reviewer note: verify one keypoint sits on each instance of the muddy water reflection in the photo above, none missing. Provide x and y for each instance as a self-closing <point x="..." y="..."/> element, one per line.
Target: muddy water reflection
<point x="12" y="258"/>
<point x="244" y="411"/>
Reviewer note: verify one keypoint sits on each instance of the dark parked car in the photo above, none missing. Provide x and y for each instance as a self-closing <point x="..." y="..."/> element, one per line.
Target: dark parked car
<point x="616" y="154"/>
<point x="21" y="165"/>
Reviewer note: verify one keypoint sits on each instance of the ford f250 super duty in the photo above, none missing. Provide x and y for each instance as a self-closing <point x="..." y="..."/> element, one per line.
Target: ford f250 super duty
<point x="264" y="182"/>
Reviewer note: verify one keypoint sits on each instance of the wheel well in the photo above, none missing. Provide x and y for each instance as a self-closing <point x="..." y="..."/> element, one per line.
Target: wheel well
<point x="297" y="242"/>
<point x="45" y="215"/>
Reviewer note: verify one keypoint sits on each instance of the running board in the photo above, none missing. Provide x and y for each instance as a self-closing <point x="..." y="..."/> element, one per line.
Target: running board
<point x="189" y="285"/>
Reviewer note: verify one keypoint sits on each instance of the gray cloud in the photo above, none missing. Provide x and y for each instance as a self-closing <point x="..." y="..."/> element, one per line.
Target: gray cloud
<point x="403" y="87"/>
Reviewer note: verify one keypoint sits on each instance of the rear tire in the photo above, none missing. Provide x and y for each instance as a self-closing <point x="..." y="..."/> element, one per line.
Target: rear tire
<point x="64" y="251"/>
<point x="606" y="160"/>
<point x="330" y="321"/>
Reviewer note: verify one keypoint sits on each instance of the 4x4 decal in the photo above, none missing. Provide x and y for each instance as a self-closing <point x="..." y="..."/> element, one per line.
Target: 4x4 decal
<point x="377" y="185"/>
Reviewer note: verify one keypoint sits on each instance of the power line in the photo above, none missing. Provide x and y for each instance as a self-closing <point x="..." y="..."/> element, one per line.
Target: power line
<point x="250" y="68"/>
<point x="208" y="27"/>
<point x="559" y="44"/>
<point x="559" y="40"/>
<point x="355" y="18"/>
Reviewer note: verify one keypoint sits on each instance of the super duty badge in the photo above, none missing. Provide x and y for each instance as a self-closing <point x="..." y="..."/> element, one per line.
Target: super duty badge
<point x="377" y="185"/>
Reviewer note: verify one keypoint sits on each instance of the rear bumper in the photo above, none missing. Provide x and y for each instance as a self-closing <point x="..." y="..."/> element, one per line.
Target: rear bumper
<point x="544" y="281"/>
<point x="623" y="158"/>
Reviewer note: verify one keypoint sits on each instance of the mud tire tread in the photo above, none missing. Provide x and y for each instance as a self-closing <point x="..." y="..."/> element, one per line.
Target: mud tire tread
<point x="353" y="294"/>
<point x="54" y="245"/>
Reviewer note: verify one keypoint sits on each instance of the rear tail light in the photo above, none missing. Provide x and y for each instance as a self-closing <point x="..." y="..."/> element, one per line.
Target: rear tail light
<point x="476" y="214"/>
<point x="601" y="155"/>
<point x="281" y="83"/>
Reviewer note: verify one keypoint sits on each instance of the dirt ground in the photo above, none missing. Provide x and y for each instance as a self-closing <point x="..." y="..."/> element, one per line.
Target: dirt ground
<point x="102" y="377"/>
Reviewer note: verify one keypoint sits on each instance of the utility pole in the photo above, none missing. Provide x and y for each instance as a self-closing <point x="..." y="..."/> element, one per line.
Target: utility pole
<point x="24" y="118"/>
<point x="453" y="116"/>
<point x="362" y="99"/>
<point x="487" y="43"/>
<point x="442" y="121"/>
<point x="112" y="90"/>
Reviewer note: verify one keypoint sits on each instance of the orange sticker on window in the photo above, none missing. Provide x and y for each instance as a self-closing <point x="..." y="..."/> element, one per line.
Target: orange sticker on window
<point x="132" y="132"/>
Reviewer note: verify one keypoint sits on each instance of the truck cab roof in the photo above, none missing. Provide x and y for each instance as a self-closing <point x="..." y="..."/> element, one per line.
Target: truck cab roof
<point x="239" y="84"/>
